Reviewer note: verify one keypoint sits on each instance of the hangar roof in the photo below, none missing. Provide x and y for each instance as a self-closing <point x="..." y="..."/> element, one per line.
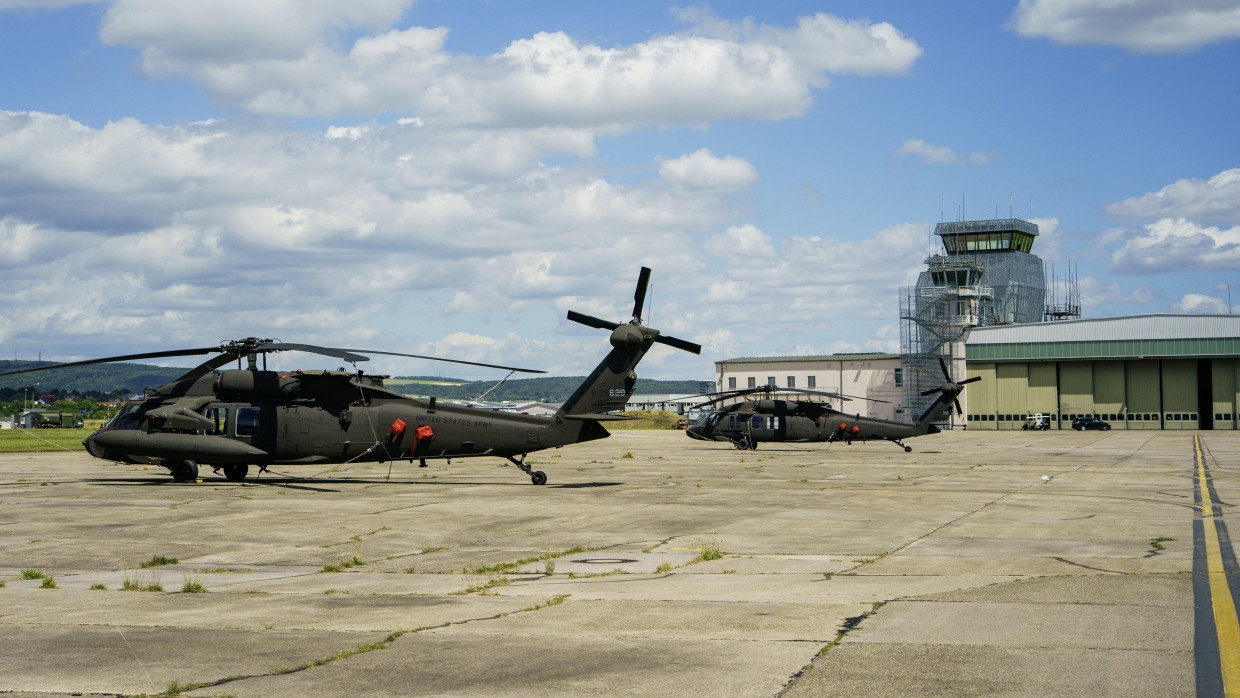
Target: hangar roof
<point x="1135" y="336"/>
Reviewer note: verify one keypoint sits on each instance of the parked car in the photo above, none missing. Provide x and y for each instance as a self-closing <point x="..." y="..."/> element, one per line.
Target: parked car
<point x="1083" y="423"/>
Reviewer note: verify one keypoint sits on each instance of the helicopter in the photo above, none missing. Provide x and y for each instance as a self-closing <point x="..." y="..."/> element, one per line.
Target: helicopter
<point x="233" y="418"/>
<point x="746" y="423"/>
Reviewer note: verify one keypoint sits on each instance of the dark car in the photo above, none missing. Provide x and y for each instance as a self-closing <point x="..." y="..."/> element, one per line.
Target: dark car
<point x="1083" y="423"/>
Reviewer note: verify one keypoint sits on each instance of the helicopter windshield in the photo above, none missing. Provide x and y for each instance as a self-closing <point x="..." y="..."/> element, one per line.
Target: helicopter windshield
<point x="127" y="418"/>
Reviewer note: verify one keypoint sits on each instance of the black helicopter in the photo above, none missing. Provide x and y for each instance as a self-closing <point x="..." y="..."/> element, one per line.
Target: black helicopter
<point x="746" y="423"/>
<point x="232" y="419"/>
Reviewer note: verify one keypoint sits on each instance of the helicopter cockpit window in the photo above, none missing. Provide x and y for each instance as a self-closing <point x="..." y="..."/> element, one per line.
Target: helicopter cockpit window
<point x="218" y="415"/>
<point x="248" y="420"/>
<point x="127" y="418"/>
<point x="757" y="422"/>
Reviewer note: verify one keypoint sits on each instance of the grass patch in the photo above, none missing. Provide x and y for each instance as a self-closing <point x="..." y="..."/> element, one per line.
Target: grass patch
<point x="484" y="587"/>
<point x="98" y="587"/>
<point x="503" y="567"/>
<point x="32" y="574"/>
<point x="434" y="549"/>
<point x="355" y="561"/>
<point x="710" y="551"/>
<point x="664" y="568"/>
<point x="1157" y="543"/>
<point x="193" y="585"/>
<point x="553" y="601"/>
<point x="140" y="583"/>
<point x="158" y="561"/>
<point x="42" y="440"/>
<point x="49" y="583"/>
<point x="649" y="419"/>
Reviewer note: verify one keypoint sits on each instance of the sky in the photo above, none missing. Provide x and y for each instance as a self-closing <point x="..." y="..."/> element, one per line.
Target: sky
<point x="449" y="178"/>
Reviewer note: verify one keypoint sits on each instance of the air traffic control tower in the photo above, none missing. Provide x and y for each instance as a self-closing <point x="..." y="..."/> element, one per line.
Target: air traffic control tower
<point x="984" y="274"/>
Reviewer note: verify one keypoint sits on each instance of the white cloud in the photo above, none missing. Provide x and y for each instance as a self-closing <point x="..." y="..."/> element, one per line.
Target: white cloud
<point x="1176" y="244"/>
<point x="1215" y="200"/>
<point x="1197" y="303"/>
<point x="1140" y="26"/>
<point x="237" y="231"/>
<point x="702" y="170"/>
<point x="742" y="242"/>
<point x="716" y="70"/>
<point x="939" y="154"/>
<point x="175" y="35"/>
<point x="928" y="154"/>
<point x="1098" y="294"/>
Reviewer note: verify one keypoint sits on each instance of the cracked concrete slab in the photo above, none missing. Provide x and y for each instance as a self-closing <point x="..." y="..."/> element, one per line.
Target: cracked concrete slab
<point x="864" y="570"/>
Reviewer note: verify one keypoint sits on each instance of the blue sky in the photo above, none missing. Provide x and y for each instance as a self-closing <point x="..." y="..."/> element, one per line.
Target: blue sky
<point x="449" y="178"/>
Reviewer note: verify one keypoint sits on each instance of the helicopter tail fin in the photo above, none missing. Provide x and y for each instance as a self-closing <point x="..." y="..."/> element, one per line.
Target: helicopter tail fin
<point x="609" y="386"/>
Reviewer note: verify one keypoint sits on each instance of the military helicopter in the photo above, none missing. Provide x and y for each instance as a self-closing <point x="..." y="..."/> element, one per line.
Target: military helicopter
<point x="234" y="418"/>
<point x="746" y="423"/>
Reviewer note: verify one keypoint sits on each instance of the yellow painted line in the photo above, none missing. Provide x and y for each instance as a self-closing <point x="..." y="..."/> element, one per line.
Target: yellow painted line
<point x="1226" y="623"/>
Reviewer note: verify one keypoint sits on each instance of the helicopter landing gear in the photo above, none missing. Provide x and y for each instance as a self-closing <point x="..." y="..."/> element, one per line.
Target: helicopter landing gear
<point x="907" y="449"/>
<point x="236" y="473"/>
<point x="742" y="444"/>
<point x="182" y="470"/>
<point x="537" y="477"/>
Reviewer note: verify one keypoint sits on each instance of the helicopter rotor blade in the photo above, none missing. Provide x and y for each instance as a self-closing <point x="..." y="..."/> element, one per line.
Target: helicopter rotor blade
<point x="679" y="344"/>
<point x="591" y="321"/>
<point x="345" y="354"/>
<point x="455" y="361"/>
<point x="639" y="295"/>
<point x="943" y="365"/>
<point x="126" y="357"/>
<point x="958" y="409"/>
<point x="969" y="380"/>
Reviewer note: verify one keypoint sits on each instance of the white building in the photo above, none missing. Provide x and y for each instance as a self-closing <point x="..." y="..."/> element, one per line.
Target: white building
<point x="867" y="378"/>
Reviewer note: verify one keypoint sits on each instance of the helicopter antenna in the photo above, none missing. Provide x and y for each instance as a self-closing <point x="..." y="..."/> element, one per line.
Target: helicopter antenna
<point x="488" y="390"/>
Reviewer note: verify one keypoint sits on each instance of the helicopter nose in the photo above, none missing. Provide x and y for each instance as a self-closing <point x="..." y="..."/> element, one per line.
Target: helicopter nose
<point x="91" y="447"/>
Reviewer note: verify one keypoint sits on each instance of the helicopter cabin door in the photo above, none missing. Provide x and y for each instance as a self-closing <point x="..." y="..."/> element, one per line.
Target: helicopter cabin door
<point x="253" y="424"/>
<point x="765" y="427"/>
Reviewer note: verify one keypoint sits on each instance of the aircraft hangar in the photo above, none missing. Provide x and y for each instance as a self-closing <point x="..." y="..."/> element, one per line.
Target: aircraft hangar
<point x="1157" y="371"/>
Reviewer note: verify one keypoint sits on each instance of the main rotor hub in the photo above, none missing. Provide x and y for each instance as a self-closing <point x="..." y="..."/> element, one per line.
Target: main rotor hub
<point x="627" y="335"/>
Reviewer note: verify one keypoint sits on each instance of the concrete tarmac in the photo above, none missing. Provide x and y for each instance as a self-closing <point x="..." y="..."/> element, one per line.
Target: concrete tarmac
<point x="982" y="563"/>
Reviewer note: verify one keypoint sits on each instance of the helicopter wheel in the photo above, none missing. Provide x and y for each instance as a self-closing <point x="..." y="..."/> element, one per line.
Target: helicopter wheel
<point x="538" y="477"/>
<point x="908" y="449"/>
<point x="183" y="470"/>
<point x="742" y="444"/>
<point x="236" y="473"/>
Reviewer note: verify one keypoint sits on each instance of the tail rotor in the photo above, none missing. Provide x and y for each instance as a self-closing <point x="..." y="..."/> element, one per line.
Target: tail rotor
<point x="950" y="390"/>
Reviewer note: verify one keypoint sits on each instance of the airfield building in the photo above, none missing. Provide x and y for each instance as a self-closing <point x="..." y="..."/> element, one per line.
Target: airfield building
<point x="984" y="275"/>
<point x="1141" y="372"/>
<point x="866" y="377"/>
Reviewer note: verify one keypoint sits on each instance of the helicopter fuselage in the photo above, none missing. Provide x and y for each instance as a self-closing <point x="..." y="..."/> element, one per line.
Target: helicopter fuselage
<point x="251" y="417"/>
<point x="753" y="421"/>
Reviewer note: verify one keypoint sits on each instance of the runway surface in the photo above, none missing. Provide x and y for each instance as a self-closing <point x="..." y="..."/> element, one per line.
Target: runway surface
<point x="982" y="563"/>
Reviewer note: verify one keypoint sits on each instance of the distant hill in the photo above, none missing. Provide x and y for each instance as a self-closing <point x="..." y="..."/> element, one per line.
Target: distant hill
<point x="105" y="378"/>
<point x="133" y="378"/>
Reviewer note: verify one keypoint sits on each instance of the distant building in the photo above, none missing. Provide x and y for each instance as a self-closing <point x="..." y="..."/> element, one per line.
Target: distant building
<point x="987" y="275"/>
<point x="1158" y="371"/>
